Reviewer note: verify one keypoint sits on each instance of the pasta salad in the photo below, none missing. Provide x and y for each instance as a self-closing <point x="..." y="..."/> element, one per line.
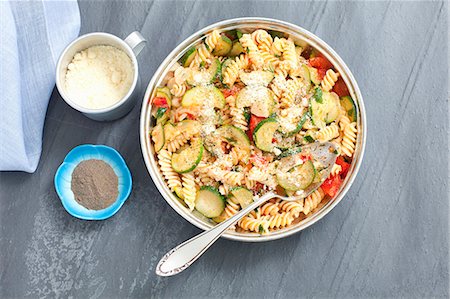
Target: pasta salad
<point x="232" y="107"/>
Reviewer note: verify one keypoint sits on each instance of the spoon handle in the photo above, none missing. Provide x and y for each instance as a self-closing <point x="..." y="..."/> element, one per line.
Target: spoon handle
<point x="185" y="254"/>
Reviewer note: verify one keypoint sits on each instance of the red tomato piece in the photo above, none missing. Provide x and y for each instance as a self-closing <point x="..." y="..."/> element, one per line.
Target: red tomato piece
<point x="344" y="165"/>
<point x="258" y="186"/>
<point x="230" y="91"/>
<point x="160" y="102"/>
<point x="258" y="160"/>
<point x="320" y="62"/>
<point x="331" y="185"/>
<point x="190" y="116"/>
<point x="321" y="73"/>
<point x="340" y="88"/>
<point x="254" y="121"/>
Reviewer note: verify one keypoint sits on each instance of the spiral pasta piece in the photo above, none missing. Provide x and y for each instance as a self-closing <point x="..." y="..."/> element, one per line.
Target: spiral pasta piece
<point x="349" y="139"/>
<point x="329" y="80"/>
<point x="292" y="207"/>
<point x="212" y="40"/>
<point x="270" y="208"/>
<point x="279" y="220"/>
<point x="312" y="201"/>
<point x="289" y="56"/>
<point x="278" y="46"/>
<point x="250" y="223"/>
<point x="231" y="72"/>
<point x="329" y="132"/>
<point x="189" y="190"/>
<point x="238" y="118"/>
<point x="178" y="90"/>
<point x="252" y="49"/>
<point x="335" y="169"/>
<point x="262" y="39"/>
<point x="177" y="142"/>
<point x="165" y="163"/>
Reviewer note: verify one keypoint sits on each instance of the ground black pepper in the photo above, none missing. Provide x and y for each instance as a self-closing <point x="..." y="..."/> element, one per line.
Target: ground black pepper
<point x="94" y="184"/>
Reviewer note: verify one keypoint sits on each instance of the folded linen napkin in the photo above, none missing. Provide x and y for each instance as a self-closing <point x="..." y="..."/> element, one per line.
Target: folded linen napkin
<point x="33" y="35"/>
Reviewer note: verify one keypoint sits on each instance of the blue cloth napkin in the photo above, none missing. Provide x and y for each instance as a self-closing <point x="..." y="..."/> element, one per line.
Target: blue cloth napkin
<point x="33" y="35"/>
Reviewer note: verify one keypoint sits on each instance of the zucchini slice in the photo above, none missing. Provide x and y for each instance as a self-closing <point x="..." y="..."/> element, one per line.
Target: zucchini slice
<point x="236" y="49"/>
<point x="205" y="76"/>
<point x="230" y="134"/>
<point x="261" y="78"/>
<point x="298" y="177"/>
<point x="243" y="196"/>
<point x="169" y="131"/>
<point x="187" y="159"/>
<point x="209" y="202"/>
<point x="188" y="57"/>
<point x="314" y="75"/>
<point x="197" y="96"/>
<point x="158" y="137"/>
<point x="326" y="111"/>
<point x="223" y="46"/>
<point x="259" y="98"/>
<point x="349" y="106"/>
<point x="263" y="134"/>
<point x="164" y="92"/>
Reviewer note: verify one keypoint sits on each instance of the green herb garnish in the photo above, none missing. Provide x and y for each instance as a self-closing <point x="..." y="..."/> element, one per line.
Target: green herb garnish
<point x="318" y="95"/>
<point x="238" y="34"/>
<point x="160" y="112"/>
<point x="308" y="139"/>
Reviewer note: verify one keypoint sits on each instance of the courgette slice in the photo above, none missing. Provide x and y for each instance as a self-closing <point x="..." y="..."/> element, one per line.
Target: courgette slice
<point x="188" y="57"/>
<point x="263" y="134"/>
<point x="304" y="73"/>
<point x="164" y="92"/>
<point x="243" y="196"/>
<point x="197" y="96"/>
<point x="230" y="134"/>
<point x="209" y="202"/>
<point x="169" y="131"/>
<point x="259" y="98"/>
<point x="223" y="46"/>
<point x="158" y="137"/>
<point x="260" y="78"/>
<point x="326" y="111"/>
<point x="205" y="76"/>
<point x="298" y="177"/>
<point x="187" y="159"/>
<point x="314" y="75"/>
<point x="236" y="49"/>
<point x="349" y="106"/>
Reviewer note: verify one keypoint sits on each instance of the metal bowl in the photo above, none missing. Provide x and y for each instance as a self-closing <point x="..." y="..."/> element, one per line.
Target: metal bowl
<point x="245" y="24"/>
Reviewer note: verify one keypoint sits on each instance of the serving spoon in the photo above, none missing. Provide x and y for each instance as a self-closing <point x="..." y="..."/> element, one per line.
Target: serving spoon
<point x="185" y="254"/>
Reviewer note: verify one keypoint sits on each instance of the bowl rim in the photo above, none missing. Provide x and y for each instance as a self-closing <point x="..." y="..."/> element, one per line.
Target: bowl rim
<point x="104" y="213"/>
<point x="314" y="41"/>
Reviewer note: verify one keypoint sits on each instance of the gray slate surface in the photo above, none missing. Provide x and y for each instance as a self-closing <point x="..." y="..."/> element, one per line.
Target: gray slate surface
<point x="388" y="237"/>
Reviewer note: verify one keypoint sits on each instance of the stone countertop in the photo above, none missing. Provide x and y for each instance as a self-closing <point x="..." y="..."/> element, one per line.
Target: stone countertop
<point x="388" y="237"/>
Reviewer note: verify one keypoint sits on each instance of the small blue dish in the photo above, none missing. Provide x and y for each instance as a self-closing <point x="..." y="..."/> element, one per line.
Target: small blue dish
<point x="63" y="179"/>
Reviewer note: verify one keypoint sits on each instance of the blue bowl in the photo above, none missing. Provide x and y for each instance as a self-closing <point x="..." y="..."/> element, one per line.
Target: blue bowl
<point x="63" y="179"/>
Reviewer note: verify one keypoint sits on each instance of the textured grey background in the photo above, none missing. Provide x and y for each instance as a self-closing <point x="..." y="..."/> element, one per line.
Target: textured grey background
<point x="388" y="237"/>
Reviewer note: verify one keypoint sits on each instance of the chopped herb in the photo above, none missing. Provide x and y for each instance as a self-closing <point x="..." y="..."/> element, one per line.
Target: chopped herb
<point x="202" y="64"/>
<point x="336" y="152"/>
<point x="308" y="139"/>
<point x="238" y="34"/>
<point x="318" y="95"/>
<point x="247" y="114"/>
<point x="261" y="229"/>
<point x="207" y="47"/>
<point x="273" y="115"/>
<point x="160" y="112"/>
<point x="248" y="50"/>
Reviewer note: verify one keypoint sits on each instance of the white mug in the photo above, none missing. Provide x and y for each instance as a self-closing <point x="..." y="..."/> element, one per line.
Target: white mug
<point x="132" y="46"/>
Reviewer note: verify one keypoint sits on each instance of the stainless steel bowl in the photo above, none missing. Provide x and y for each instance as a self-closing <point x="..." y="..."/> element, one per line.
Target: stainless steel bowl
<point x="297" y="33"/>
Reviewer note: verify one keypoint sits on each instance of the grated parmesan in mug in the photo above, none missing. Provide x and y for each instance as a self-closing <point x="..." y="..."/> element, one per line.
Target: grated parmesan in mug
<point x="99" y="77"/>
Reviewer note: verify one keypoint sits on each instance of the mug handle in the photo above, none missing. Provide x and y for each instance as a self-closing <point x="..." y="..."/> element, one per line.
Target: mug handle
<point x="136" y="42"/>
